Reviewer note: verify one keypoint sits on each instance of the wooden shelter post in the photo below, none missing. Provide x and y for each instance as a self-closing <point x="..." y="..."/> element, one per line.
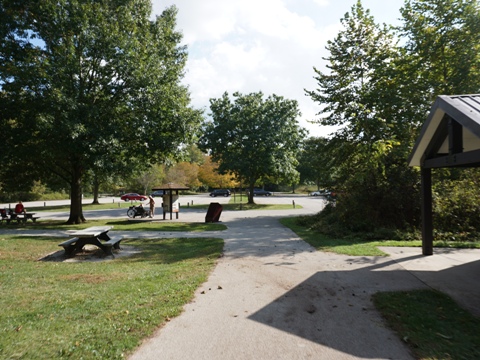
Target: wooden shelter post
<point x="449" y="138"/>
<point x="427" y="213"/>
<point x="168" y="189"/>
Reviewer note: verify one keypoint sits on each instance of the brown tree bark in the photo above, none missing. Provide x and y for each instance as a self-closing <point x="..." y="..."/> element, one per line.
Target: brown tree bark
<point x="76" y="211"/>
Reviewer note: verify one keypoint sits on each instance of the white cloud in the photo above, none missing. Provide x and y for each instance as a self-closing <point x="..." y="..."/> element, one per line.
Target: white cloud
<point x="257" y="45"/>
<point x="322" y="2"/>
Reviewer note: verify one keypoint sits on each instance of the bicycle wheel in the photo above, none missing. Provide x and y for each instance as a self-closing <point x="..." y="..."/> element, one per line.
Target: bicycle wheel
<point x="131" y="213"/>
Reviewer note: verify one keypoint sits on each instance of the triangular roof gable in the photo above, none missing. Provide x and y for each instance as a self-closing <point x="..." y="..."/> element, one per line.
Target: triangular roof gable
<point x="452" y="131"/>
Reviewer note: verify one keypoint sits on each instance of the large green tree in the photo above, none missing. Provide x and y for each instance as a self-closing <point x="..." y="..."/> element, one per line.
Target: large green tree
<point x="90" y="82"/>
<point x="253" y="137"/>
<point x="314" y="162"/>
<point x="442" y="46"/>
<point x="380" y="92"/>
<point x="441" y="56"/>
<point x="367" y="154"/>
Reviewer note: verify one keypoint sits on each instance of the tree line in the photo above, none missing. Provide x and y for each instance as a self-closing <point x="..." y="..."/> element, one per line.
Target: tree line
<point x="91" y="93"/>
<point x="379" y="84"/>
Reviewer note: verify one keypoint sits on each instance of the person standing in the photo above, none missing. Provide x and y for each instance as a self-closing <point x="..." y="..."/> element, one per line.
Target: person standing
<point x="152" y="206"/>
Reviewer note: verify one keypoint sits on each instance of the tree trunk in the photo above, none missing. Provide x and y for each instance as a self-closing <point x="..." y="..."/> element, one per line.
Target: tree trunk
<point x="96" y="187"/>
<point x="250" y="193"/>
<point x="76" y="212"/>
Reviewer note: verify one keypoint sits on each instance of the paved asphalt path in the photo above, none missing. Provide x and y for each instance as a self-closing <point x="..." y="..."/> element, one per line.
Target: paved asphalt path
<point x="272" y="296"/>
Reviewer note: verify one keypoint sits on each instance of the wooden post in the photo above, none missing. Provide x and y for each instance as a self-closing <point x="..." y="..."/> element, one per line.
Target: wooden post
<point x="427" y="214"/>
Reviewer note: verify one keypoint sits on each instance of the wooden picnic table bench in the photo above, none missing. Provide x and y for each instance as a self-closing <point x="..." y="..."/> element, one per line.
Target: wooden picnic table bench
<point x="24" y="217"/>
<point x="96" y="235"/>
<point x="19" y="218"/>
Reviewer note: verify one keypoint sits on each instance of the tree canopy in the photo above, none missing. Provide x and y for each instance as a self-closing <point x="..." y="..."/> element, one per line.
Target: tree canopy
<point x="378" y="85"/>
<point x="90" y="85"/>
<point x="254" y="138"/>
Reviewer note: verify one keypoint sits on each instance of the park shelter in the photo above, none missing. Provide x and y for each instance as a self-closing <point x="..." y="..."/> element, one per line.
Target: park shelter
<point x="170" y="199"/>
<point x="450" y="137"/>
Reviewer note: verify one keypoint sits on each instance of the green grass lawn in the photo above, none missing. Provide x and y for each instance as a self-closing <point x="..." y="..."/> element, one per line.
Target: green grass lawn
<point x="103" y="206"/>
<point x="240" y="202"/>
<point x="120" y="224"/>
<point x="92" y="310"/>
<point x="358" y="246"/>
<point x="431" y="324"/>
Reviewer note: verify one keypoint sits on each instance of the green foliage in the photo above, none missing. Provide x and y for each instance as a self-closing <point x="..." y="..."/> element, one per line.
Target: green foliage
<point x="90" y="86"/>
<point x="380" y="91"/>
<point x="330" y="222"/>
<point x="456" y="202"/>
<point x="313" y="163"/>
<point x="443" y="43"/>
<point x="254" y="138"/>
<point x="366" y="159"/>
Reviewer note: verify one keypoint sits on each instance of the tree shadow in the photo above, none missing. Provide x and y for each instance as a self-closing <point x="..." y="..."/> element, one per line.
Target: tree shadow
<point x="334" y="308"/>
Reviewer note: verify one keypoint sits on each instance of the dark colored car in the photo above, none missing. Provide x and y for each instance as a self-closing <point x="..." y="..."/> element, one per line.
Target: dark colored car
<point x="158" y="193"/>
<point x="133" y="196"/>
<point x="220" y="192"/>
<point x="261" y="192"/>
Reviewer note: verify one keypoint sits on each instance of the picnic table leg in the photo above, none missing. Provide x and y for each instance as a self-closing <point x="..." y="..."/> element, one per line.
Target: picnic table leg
<point x="70" y="250"/>
<point x="96" y="241"/>
<point x="104" y="236"/>
<point x="106" y="249"/>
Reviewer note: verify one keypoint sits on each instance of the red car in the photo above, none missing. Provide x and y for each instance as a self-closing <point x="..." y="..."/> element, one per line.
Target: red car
<point x="133" y="196"/>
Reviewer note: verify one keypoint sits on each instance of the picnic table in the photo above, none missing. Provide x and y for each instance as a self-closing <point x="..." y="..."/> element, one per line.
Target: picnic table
<point x="95" y="235"/>
<point x="18" y="217"/>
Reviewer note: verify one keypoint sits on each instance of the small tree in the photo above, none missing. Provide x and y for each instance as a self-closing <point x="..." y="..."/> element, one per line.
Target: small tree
<point x="253" y="137"/>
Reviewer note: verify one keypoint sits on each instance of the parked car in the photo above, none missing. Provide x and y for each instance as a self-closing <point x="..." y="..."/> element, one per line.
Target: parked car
<point x="319" y="193"/>
<point x="133" y="196"/>
<point x="261" y="192"/>
<point x="220" y="192"/>
<point x="158" y="193"/>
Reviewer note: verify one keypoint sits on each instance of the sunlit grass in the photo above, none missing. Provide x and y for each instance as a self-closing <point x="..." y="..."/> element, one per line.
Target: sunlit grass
<point x="88" y="310"/>
<point x="85" y="206"/>
<point x="431" y="324"/>
<point x="358" y="246"/>
<point x="121" y="224"/>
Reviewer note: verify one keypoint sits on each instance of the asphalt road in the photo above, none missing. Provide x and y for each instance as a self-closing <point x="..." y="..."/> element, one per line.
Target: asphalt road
<point x="309" y="205"/>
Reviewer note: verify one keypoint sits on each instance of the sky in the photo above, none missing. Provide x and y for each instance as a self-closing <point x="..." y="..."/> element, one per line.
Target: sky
<point x="263" y="45"/>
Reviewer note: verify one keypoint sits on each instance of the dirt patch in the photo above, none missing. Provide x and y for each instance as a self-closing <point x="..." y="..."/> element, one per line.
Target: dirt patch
<point x="88" y="278"/>
<point x="91" y="253"/>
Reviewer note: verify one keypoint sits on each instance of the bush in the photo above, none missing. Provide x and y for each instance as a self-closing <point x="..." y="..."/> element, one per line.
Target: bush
<point x="456" y="203"/>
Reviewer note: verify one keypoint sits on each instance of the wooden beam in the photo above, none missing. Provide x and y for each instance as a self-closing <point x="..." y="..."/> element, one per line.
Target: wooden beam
<point x="427" y="213"/>
<point x="470" y="158"/>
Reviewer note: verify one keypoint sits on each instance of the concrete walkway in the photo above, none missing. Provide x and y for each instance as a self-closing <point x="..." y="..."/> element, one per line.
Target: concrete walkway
<point x="272" y="296"/>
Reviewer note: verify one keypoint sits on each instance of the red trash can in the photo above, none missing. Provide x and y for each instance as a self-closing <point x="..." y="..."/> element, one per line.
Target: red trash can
<point x="213" y="213"/>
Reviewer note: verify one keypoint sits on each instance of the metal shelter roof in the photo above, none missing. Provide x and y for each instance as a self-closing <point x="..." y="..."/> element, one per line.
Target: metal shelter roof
<point x="451" y="134"/>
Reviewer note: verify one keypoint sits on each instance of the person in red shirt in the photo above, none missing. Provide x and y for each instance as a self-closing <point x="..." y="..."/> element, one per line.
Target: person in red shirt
<point x="19" y="208"/>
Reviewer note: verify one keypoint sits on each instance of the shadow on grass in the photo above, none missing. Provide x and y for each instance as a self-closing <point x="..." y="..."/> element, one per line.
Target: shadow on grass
<point x="172" y="250"/>
<point x="157" y="250"/>
<point x="121" y="225"/>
